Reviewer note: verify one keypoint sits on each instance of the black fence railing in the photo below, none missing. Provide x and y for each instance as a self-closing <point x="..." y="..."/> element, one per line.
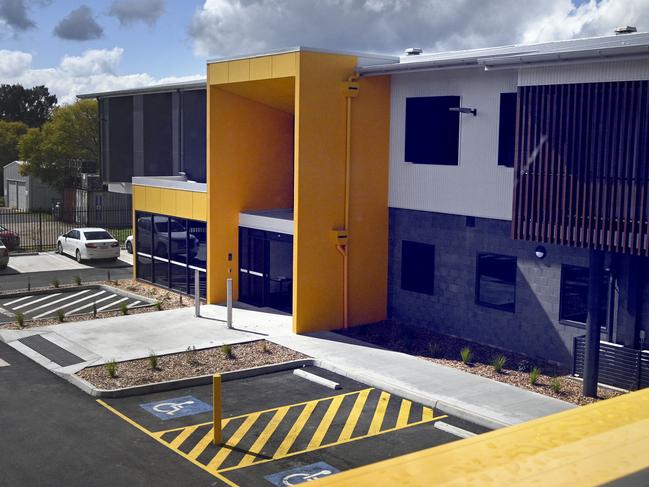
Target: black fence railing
<point x="619" y="366"/>
<point x="38" y="230"/>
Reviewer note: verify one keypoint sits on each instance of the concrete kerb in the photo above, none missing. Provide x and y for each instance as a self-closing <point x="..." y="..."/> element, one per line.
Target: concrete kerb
<point x="170" y="385"/>
<point x="425" y="399"/>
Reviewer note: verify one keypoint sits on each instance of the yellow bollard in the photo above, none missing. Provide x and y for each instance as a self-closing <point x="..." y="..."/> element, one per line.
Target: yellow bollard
<point x="216" y="408"/>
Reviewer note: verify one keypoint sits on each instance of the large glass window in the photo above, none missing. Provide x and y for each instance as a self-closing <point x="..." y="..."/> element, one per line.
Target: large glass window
<point x="417" y="267"/>
<point x="507" y="129"/>
<point x="496" y="281"/>
<point x="573" y="305"/>
<point x="169" y="250"/>
<point x="432" y="130"/>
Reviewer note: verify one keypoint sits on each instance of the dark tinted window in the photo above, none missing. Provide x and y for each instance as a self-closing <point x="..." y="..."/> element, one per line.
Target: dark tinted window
<point x="157" y="131"/>
<point x="119" y="117"/>
<point x="496" y="281"/>
<point x="432" y="130"/>
<point x="574" y="294"/>
<point x="507" y="129"/>
<point x="417" y="267"/>
<point x="194" y="134"/>
<point x="98" y="236"/>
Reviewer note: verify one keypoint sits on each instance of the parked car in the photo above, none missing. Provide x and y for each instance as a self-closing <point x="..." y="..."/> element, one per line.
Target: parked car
<point x="4" y="256"/>
<point x="88" y="243"/>
<point x="11" y="239"/>
<point x="129" y="244"/>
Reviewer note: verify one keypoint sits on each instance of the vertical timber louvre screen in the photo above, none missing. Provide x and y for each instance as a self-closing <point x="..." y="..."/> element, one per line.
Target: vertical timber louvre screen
<point x="581" y="170"/>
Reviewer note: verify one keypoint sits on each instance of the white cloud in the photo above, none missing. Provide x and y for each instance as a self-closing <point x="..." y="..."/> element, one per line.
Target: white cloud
<point x="224" y="27"/>
<point x="13" y="63"/>
<point x="95" y="70"/>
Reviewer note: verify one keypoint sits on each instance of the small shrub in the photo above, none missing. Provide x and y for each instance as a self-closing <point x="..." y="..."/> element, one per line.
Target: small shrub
<point x="435" y="349"/>
<point x="123" y="309"/>
<point x="534" y="375"/>
<point x="264" y="347"/>
<point x="56" y="283"/>
<point x="77" y="280"/>
<point x="498" y="363"/>
<point x="153" y="361"/>
<point x="555" y="385"/>
<point x="131" y="288"/>
<point x="466" y="355"/>
<point x="158" y="305"/>
<point x="60" y="315"/>
<point x="524" y="366"/>
<point x="111" y="368"/>
<point x="20" y="319"/>
<point x="227" y="351"/>
<point x="192" y="356"/>
<point x="94" y="310"/>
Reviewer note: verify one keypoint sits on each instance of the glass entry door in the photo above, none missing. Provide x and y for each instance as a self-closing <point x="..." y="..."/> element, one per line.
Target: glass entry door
<point x="266" y="269"/>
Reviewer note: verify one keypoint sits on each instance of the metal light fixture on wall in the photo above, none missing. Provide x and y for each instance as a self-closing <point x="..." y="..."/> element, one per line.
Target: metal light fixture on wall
<point x="540" y="252"/>
<point x="473" y="111"/>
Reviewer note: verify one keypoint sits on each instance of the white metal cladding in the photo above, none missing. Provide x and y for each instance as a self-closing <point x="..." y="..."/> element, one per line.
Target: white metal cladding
<point x="585" y="73"/>
<point x="478" y="186"/>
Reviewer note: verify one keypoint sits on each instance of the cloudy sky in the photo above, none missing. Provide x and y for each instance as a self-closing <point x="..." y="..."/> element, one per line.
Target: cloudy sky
<point x="75" y="46"/>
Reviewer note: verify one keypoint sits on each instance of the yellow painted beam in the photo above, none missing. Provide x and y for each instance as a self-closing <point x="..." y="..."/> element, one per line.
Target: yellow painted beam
<point x="172" y="202"/>
<point x="590" y="445"/>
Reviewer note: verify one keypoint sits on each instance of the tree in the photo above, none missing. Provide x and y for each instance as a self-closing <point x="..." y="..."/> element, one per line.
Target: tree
<point x="10" y="134"/>
<point x="32" y="106"/>
<point x="72" y="134"/>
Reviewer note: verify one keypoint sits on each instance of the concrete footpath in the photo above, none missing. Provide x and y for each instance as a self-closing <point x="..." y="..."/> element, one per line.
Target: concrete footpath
<point x="73" y="346"/>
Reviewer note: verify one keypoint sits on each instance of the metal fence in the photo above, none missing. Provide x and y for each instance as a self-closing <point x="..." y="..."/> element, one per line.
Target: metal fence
<point x="38" y="230"/>
<point x="619" y="366"/>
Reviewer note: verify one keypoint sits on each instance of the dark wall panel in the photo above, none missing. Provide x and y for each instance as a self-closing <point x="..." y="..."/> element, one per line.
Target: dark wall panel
<point x="194" y="131"/>
<point x="582" y="162"/>
<point x="157" y="132"/>
<point x="118" y="152"/>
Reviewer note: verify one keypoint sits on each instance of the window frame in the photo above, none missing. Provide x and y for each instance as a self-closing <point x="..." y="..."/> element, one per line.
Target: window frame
<point x="578" y="324"/>
<point x="430" y="290"/>
<point x="432" y="159"/>
<point x="485" y="304"/>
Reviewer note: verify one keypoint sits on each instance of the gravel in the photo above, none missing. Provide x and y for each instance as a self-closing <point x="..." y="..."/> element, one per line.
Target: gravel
<point x="190" y="364"/>
<point x="168" y="300"/>
<point x="445" y="350"/>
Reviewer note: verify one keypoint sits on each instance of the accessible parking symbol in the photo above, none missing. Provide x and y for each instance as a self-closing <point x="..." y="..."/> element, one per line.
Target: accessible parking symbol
<point x="300" y="475"/>
<point x="176" y="407"/>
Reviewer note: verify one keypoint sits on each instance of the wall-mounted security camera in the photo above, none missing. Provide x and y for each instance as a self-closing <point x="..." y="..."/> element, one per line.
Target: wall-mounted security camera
<point x="474" y="111"/>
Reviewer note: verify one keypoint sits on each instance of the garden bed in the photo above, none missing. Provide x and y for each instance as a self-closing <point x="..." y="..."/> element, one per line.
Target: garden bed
<point x="191" y="363"/>
<point x="445" y="350"/>
<point x="167" y="300"/>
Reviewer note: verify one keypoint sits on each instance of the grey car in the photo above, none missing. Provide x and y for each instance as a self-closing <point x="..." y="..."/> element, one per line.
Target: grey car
<point x="4" y="256"/>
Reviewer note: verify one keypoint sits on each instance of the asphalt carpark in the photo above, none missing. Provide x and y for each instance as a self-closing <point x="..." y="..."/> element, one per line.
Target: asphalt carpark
<point x="43" y="305"/>
<point x="281" y="429"/>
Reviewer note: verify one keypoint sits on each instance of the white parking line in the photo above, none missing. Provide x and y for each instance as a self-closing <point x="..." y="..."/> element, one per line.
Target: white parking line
<point x="64" y="298"/>
<point x="111" y="304"/>
<point x="17" y="300"/>
<point x="90" y="304"/>
<point x="67" y="304"/>
<point x="133" y="304"/>
<point x="47" y="296"/>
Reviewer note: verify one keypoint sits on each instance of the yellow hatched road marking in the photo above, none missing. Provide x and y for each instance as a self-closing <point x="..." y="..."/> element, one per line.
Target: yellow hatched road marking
<point x="265" y="435"/>
<point x="327" y="419"/>
<point x="232" y="442"/>
<point x="379" y="413"/>
<point x="178" y="440"/>
<point x="354" y="414"/>
<point x="202" y="444"/>
<point x="295" y="430"/>
<point x="404" y="413"/>
<point x="426" y="414"/>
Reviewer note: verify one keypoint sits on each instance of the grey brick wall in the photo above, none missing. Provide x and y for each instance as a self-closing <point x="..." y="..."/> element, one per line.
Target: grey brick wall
<point x="533" y="329"/>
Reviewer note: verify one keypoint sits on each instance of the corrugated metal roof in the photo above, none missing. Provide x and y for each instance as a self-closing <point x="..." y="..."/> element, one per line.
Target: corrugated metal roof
<point x="521" y="54"/>
<point x="273" y="52"/>
<point x="160" y="88"/>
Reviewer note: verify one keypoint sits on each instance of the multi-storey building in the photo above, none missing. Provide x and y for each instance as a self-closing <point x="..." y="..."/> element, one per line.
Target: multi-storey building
<point x="463" y="191"/>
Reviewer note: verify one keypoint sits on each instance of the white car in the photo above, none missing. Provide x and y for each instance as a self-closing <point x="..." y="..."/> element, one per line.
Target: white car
<point x="4" y="256"/>
<point x="128" y="244"/>
<point x="88" y="243"/>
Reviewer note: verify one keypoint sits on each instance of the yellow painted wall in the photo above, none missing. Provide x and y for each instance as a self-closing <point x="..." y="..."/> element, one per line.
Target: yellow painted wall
<point x="172" y="202"/>
<point x="250" y="167"/>
<point x="368" y="223"/>
<point x="320" y="189"/>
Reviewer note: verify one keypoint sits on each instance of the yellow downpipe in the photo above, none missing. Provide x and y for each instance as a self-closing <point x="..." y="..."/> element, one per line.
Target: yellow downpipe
<point x="343" y="248"/>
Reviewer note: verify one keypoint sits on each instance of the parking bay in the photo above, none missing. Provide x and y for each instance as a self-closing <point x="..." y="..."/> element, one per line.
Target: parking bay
<point x="280" y="429"/>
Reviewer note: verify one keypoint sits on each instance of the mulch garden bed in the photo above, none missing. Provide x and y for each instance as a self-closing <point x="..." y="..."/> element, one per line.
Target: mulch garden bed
<point x="445" y="350"/>
<point x="191" y="363"/>
<point x="167" y="299"/>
